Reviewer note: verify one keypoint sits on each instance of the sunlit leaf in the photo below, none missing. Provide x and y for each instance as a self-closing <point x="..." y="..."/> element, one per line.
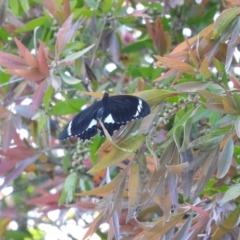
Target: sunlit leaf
<point x="76" y="55"/>
<point x="231" y="194"/>
<point x="101" y="191"/>
<point x="227" y="224"/>
<point x="116" y="155"/>
<point x="191" y="86"/>
<point x="204" y="68"/>
<point x="70" y="187"/>
<point x="69" y="79"/>
<point x="223" y="21"/>
<point x="174" y="64"/>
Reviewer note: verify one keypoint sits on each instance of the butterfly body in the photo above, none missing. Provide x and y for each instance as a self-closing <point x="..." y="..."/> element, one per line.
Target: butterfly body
<point x="113" y="112"/>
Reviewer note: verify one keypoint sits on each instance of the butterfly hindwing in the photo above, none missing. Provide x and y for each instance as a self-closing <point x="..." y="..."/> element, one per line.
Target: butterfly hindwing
<point x="83" y="125"/>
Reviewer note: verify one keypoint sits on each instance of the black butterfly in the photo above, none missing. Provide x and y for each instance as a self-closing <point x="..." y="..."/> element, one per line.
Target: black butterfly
<point x="112" y="111"/>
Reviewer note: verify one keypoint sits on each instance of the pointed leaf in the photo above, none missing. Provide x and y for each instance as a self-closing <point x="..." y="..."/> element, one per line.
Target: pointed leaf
<point x="76" y="55"/>
<point x="192" y="86"/>
<point x="227" y="225"/>
<point x="231" y="194"/>
<point x="223" y="21"/>
<point x="20" y="166"/>
<point x="8" y="131"/>
<point x="69" y="79"/>
<point x="225" y="159"/>
<point x="106" y="189"/>
<point x="116" y="155"/>
<point x="42" y="61"/>
<point x="134" y="187"/>
<point x="94" y="226"/>
<point x="11" y="61"/>
<point x="206" y="172"/>
<point x="206" y="142"/>
<point x="212" y="97"/>
<point x="30" y="60"/>
<point x="174" y="64"/>
<point x="237" y="126"/>
<point x="204" y="70"/>
<point x="31" y="74"/>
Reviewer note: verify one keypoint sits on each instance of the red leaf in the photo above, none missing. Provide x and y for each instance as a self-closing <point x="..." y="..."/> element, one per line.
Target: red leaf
<point x="3" y="112"/>
<point x="38" y="95"/>
<point x="31" y="61"/>
<point x="64" y="35"/>
<point x="51" y="6"/>
<point x="19" y="153"/>
<point x="42" y="61"/>
<point x="6" y="166"/>
<point x="19" y="168"/>
<point x="88" y="205"/>
<point x="46" y="199"/>
<point x="31" y="74"/>
<point x="12" y="61"/>
<point x="204" y="217"/>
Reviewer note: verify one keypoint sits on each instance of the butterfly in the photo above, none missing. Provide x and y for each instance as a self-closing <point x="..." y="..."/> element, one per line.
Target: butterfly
<point x="113" y="112"/>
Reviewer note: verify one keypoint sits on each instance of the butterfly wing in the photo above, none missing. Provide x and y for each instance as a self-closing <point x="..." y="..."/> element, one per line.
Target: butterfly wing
<point x="118" y="110"/>
<point x="84" y="124"/>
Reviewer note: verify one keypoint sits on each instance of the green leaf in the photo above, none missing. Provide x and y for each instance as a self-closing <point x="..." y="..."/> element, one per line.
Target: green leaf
<point x="214" y="117"/>
<point x="17" y="235"/>
<point x="125" y="20"/>
<point x="42" y="123"/>
<point x="25" y="5"/>
<point x="237" y="126"/>
<point x="76" y="55"/>
<point x="236" y="99"/>
<point x="206" y="142"/>
<point x="227" y="224"/>
<point x="14" y="7"/>
<point x="116" y="155"/>
<point x="118" y="5"/>
<point x="69" y="191"/>
<point x="155" y="96"/>
<point x="219" y="66"/>
<point x="107" y="4"/>
<point x="225" y="159"/>
<point x="67" y="107"/>
<point x="92" y="3"/>
<point x="62" y="198"/>
<point x="138" y="46"/>
<point x="181" y="121"/>
<point x="186" y="134"/>
<point x="47" y="98"/>
<point x="177" y="136"/>
<point x="31" y="25"/>
<point x="83" y="12"/>
<point x="192" y="86"/>
<point x="68" y="79"/>
<point x="223" y="21"/>
<point x="66" y="162"/>
<point x="97" y="142"/>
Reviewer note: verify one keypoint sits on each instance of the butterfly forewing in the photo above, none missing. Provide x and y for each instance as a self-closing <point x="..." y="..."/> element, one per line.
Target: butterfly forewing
<point x="112" y="111"/>
<point x="124" y="108"/>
